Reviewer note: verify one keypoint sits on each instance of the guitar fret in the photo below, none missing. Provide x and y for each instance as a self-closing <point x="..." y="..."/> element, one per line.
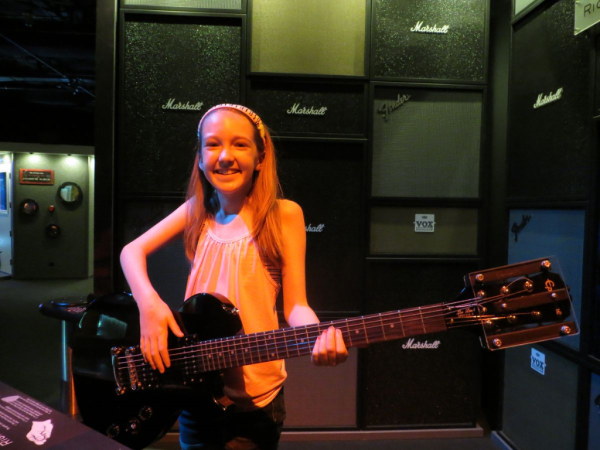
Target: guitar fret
<point x="382" y="328"/>
<point x="348" y="333"/>
<point x="422" y="321"/>
<point x="365" y="328"/>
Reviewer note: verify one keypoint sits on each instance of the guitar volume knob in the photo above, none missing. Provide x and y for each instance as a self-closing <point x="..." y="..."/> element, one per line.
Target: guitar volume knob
<point x="113" y="431"/>
<point x="134" y="426"/>
<point x="145" y="413"/>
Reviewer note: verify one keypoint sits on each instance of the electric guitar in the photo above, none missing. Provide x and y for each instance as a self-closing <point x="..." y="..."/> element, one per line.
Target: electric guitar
<point x="120" y="395"/>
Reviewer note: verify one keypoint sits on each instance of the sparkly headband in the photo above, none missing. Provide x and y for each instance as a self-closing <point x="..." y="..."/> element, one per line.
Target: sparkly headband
<point x="247" y="112"/>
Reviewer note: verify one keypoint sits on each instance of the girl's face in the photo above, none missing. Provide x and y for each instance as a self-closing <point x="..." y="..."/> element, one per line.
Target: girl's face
<point x="229" y="156"/>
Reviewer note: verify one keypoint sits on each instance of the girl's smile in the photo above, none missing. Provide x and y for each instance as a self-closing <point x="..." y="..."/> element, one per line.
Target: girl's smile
<point x="229" y="156"/>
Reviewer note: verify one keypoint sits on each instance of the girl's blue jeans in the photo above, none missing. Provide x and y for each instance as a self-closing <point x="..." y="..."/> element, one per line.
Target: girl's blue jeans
<point x="208" y="427"/>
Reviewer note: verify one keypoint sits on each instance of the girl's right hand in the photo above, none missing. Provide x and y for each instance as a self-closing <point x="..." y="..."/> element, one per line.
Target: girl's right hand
<point x="156" y="319"/>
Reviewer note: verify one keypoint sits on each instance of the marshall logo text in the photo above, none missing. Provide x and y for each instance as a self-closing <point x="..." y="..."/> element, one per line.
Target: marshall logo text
<point x="543" y="100"/>
<point x="419" y="28"/>
<point x="305" y="111"/>
<point x="187" y="106"/>
<point x="316" y="229"/>
<point x="418" y="345"/>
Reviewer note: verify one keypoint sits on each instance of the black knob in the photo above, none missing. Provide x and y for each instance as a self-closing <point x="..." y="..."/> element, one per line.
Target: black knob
<point x="113" y="431"/>
<point x="145" y="413"/>
<point x="134" y="426"/>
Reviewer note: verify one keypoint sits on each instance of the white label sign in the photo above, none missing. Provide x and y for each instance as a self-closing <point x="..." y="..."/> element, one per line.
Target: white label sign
<point x="587" y="13"/>
<point x="424" y="223"/>
<point x="538" y="361"/>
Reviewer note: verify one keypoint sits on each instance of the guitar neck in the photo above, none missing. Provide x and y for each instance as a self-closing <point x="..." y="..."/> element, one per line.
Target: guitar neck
<point x="292" y="342"/>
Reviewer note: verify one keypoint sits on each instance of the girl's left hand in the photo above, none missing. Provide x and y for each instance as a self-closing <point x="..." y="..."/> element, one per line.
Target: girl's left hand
<point x="330" y="349"/>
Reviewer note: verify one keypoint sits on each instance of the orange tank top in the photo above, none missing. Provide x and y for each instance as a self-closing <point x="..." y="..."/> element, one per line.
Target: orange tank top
<point x="227" y="262"/>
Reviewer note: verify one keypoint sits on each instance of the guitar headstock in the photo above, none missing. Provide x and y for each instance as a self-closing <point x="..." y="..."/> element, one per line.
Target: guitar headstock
<point x="518" y="304"/>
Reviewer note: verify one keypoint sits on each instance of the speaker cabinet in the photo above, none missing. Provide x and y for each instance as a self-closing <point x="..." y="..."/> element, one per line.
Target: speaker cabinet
<point x="594" y="425"/>
<point x="310" y="108"/>
<point x="173" y="69"/>
<point x="537" y="233"/>
<point x="168" y="268"/>
<point x="520" y="5"/>
<point x="326" y="179"/>
<point x="211" y="5"/>
<point x="549" y="106"/>
<point x="407" y="386"/>
<point x="332" y="399"/>
<point x="539" y="410"/>
<point x="426" y="142"/>
<point x="441" y="231"/>
<point x="320" y="37"/>
<point x="432" y="40"/>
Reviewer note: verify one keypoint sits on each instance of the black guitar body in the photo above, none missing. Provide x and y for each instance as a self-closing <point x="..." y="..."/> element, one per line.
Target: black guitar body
<point x="138" y="418"/>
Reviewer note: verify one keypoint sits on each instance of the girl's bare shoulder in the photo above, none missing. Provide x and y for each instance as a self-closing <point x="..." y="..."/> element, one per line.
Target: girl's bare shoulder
<point x="290" y="210"/>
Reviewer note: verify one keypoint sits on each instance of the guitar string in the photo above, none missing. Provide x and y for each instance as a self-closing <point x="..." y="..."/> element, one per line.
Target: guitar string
<point x="205" y="350"/>
<point x="204" y="347"/>
<point x="405" y="319"/>
<point x="191" y="352"/>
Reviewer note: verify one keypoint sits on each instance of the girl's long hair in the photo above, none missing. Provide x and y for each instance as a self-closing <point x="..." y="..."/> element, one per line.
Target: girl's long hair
<point x="262" y="201"/>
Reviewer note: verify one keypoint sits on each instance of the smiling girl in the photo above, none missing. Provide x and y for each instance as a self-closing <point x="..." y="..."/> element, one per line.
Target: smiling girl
<point x="245" y="243"/>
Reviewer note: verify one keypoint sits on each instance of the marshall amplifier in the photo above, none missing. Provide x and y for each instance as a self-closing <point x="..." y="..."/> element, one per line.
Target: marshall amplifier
<point x="430" y="380"/>
<point x="549" y="151"/>
<point x="310" y="108"/>
<point x="173" y="69"/>
<point x="423" y="231"/>
<point x="168" y="268"/>
<point x="332" y="403"/>
<point x="319" y="37"/>
<point x="536" y="381"/>
<point x="238" y="6"/>
<point x="433" y="40"/>
<point x="426" y="142"/>
<point x="537" y="233"/>
<point x="326" y="179"/>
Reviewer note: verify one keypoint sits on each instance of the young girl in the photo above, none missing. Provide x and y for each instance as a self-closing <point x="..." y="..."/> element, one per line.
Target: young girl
<point x="245" y="243"/>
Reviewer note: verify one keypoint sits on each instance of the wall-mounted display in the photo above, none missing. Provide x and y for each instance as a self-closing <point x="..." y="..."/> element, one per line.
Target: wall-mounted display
<point x="433" y="39"/>
<point x="3" y="192"/>
<point x="70" y="194"/>
<point x="36" y="176"/>
<point x="426" y="142"/>
<point x="29" y="207"/>
<point x="53" y="231"/>
<point x="321" y="37"/>
<point x="536" y="233"/>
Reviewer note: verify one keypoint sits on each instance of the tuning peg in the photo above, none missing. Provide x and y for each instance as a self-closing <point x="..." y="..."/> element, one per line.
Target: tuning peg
<point x="546" y="265"/>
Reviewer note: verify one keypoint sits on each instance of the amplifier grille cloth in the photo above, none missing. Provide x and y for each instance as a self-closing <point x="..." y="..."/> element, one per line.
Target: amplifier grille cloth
<point x="203" y="4"/>
<point x="429" y="147"/>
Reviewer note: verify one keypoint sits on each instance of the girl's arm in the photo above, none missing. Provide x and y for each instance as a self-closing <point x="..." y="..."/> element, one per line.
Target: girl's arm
<point x="329" y="348"/>
<point x="156" y="317"/>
